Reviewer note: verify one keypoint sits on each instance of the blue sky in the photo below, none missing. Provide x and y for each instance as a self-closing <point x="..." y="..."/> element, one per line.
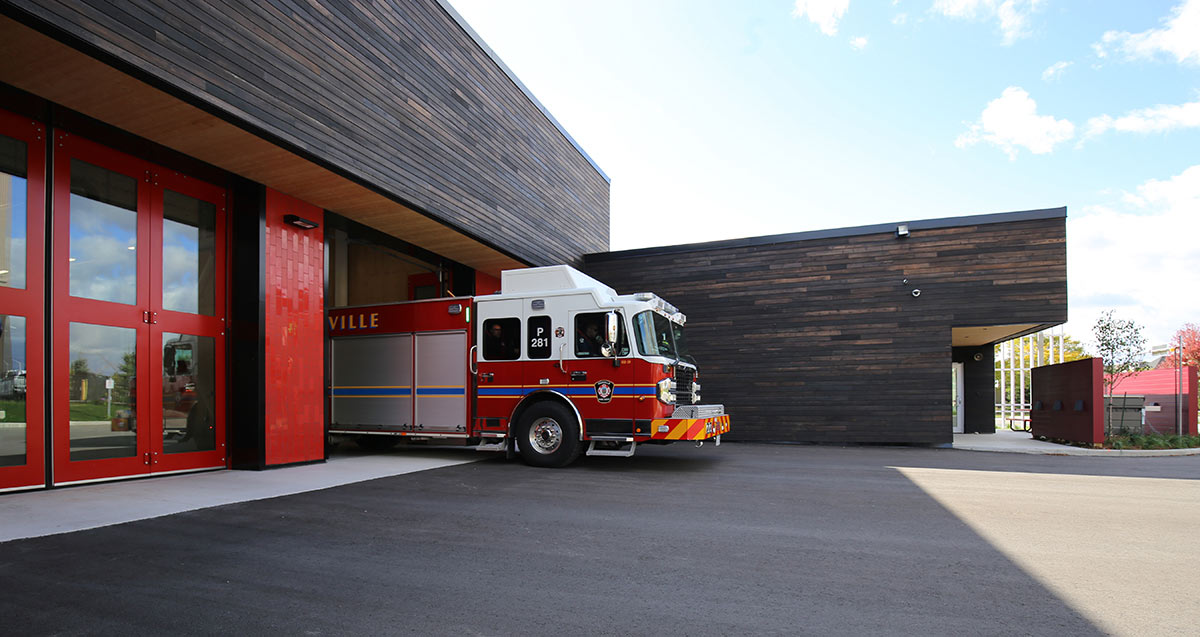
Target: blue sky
<point x="753" y="118"/>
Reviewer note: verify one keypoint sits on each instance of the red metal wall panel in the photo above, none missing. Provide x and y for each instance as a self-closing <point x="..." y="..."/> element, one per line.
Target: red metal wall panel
<point x="1068" y="401"/>
<point x="1159" y="386"/>
<point x="295" y="417"/>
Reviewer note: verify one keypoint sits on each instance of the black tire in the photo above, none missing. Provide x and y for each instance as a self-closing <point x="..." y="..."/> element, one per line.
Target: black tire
<point x="377" y="443"/>
<point x="548" y="435"/>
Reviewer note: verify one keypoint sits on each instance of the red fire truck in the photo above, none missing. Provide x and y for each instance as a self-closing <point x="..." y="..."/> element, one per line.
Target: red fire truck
<point x="556" y="362"/>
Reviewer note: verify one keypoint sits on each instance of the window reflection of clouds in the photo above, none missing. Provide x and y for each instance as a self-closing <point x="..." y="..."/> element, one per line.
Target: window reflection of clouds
<point x="181" y="252"/>
<point x="104" y="267"/>
<point x="102" y="346"/>
<point x="189" y="250"/>
<point x="12" y="230"/>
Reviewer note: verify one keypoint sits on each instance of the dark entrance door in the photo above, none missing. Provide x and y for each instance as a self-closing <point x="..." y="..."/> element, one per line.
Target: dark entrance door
<point x="138" y="315"/>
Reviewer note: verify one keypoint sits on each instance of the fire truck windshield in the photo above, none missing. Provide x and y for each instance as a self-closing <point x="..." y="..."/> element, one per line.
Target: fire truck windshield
<point x="656" y="335"/>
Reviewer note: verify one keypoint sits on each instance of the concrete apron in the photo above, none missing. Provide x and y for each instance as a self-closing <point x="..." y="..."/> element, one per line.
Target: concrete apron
<point x="87" y="506"/>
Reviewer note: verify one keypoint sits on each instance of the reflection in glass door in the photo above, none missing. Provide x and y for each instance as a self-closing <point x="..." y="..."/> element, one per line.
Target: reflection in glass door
<point x="138" y="323"/>
<point x="103" y="378"/>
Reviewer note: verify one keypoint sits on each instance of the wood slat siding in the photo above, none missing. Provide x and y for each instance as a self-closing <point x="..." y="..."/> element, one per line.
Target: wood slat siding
<point x="394" y="94"/>
<point x="820" y="341"/>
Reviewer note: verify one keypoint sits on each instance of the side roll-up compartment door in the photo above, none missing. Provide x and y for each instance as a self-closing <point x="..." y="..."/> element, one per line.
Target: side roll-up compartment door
<point x="372" y="383"/>
<point x="441" y="382"/>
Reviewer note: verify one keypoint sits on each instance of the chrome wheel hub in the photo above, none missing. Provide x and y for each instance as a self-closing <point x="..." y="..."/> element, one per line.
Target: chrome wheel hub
<point x="545" y="435"/>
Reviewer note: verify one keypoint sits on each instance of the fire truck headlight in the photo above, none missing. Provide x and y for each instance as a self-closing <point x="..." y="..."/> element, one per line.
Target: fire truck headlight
<point x="666" y="389"/>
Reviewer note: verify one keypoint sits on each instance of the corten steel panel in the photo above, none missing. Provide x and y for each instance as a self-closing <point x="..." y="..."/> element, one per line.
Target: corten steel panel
<point x="372" y="378"/>
<point x="816" y="337"/>
<point x="1068" y="401"/>
<point x="441" y="362"/>
<point x="1160" y="386"/>
<point x="397" y="96"/>
<point x="295" y="335"/>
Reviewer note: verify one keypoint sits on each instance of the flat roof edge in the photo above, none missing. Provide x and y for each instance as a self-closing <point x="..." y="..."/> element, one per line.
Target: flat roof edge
<point x="462" y="23"/>
<point x="853" y="231"/>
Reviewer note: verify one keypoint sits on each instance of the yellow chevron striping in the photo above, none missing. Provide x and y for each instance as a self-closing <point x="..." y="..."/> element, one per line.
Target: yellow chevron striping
<point x="679" y="430"/>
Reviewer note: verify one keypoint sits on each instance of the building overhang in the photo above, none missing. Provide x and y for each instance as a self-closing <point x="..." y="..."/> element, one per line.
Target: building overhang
<point x="43" y="66"/>
<point x="978" y="336"/>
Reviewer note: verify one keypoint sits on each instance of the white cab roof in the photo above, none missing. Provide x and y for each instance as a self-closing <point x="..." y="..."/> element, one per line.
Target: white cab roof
<point x="551" y="278"/>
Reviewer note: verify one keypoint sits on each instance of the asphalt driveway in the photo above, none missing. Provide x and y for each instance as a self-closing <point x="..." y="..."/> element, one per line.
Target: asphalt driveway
<point x="741" y="539"/>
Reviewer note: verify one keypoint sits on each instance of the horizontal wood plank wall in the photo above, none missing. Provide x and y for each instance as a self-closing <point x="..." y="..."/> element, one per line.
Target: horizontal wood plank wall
<point x="820" y="340"/>
<point x="396" y="95"/>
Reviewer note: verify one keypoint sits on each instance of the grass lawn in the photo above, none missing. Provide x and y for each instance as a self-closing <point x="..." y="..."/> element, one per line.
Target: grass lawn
<point x="14" y="410"/>
<point x="94" y="411"/>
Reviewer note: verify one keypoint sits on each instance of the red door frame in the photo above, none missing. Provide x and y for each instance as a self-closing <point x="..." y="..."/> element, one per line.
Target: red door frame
<point x="29" y="302"/>
<point x="147" y="315"/>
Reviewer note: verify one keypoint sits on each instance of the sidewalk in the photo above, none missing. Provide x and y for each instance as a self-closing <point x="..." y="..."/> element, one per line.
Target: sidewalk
<point x="47" y="512"/>
<point x="1006" y="441"/>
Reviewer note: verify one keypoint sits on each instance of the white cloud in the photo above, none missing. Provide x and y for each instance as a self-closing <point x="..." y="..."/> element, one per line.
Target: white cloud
<point x="1011" y="122"/>
<point x="1137" y="256"/>
<point x="1012" y="15"/>
<point x="859" y="43"/>
<point x="823" y="13"/>
<point x="1156" y="119"/>
<point x="1055" y="71"/>
<point x="1179" y="36"/>
<point x="900" y="19"/>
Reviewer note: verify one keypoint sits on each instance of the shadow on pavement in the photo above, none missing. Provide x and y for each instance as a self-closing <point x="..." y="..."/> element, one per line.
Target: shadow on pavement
<point x="741" y="539"/>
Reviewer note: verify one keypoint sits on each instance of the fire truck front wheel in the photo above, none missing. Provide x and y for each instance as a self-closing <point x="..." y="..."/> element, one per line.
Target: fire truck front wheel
<point x="548" y="435"/>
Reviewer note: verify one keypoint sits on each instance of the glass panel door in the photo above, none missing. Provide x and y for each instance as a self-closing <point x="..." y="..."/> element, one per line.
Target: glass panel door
<point x="139" y="319"/>
<point x="22" y="303"/>
<point x="101" y="330"/>
<point x="188" y="325"/>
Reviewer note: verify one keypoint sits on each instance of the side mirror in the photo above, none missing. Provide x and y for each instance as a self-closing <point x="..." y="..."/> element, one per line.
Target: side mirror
<point x="611" y="332"/>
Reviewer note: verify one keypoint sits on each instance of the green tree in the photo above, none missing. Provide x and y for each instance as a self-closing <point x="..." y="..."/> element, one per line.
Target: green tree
<point x="124" y="377"/>
<point x="1072" y="350"/>
<point x="79" y="373"/>
<point x="1122" y="346"/>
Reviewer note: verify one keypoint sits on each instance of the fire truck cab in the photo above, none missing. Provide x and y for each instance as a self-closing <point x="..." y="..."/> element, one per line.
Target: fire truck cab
<point x="554" y="365"/>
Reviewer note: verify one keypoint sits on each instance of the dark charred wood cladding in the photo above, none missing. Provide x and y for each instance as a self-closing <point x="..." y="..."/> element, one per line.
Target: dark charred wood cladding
<point x="822" y="339"/>
<point x="397" y="96"/>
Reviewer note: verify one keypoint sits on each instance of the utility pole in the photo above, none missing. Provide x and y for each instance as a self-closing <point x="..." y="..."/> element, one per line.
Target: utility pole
<point x="1179" y="386"/>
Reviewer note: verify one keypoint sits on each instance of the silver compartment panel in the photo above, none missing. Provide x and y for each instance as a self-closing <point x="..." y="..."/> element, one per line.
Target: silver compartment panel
<point x="377" y="369"/>
<point x="441" y="382"/>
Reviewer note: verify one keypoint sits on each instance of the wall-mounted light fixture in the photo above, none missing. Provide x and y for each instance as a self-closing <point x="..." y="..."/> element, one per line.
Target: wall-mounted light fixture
<point x="299" y="222"/>
<point x="902" y="231"/>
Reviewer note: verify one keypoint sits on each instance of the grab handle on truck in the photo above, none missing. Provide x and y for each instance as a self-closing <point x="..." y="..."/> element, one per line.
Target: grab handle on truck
<point x="471" y="359"/>
<point x="561" y="367"/>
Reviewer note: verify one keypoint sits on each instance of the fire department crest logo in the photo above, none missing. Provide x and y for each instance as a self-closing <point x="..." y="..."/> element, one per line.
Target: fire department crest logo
<point x="559" y="332"/>
<point x="604" y="390"/>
